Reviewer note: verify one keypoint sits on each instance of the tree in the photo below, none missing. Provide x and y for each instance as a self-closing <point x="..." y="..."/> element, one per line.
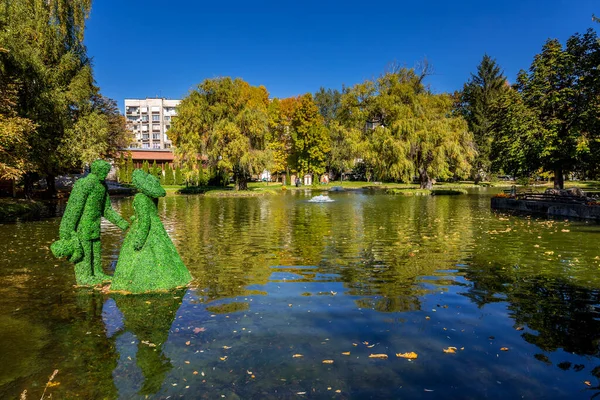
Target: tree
<point x="121" y="169"/>
<point x="563" y="88"/>
<point x="130" y="168"/>
<point x="227" y="120"/>
<point x="156" y="170"/>
<point x="407" y="130"/>
<point x="476" y="105"/>
<point x="311" y="143"/>
<point x="146" y="166"/>
<point x="178" y="176"/>
<point x="329" y="103"/>
<point x="169" y="179"/>
<point x="46" y="60"/>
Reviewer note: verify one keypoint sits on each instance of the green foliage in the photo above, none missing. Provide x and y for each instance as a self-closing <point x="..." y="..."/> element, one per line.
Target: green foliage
<point x="156" y="170"/>
<point x="310" y="138"/>
<point x="148" y="260"/>
<point x="169" y="178"/>
<point x="145" y="167"/>
<point x="329" y="103"/>
<point x="407" y="130"/>
<point x="477" y="102"/>
<point x="179" y="179"/>
<point x="130" y="168"/>
<point x="79" y="233"/>
<point x="121" y="169"/>
<point x="227" y="120"/>
<point x="59" y="119"/>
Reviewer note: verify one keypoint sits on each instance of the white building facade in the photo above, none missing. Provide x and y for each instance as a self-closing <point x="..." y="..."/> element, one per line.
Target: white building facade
<point x="149" y="120"/>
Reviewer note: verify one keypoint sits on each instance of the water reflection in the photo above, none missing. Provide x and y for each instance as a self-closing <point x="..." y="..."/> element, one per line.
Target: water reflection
<point x="140" y="327"/>
<point x="278" y="276"/>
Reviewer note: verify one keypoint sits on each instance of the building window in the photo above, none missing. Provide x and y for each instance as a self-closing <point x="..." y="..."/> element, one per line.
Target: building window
<point x="156" y="145"/>
<point x="144" y="128"/>
<point x="146" y="136"/>
<point x="156" y="136"/>
<point x="131" y="110"/>
<point x="144" y="118"/>
<point x="155" y="109"/>
<point x="156" y="118"/>
<point x="145" y="145"/>
<point x="167" y="127"/>
<point x="132" y="118"/>
<point x="144" y="109"/>
<point x="156" y="127"/>
<point x="167" y="117"/>
<point x="167" y="146"/>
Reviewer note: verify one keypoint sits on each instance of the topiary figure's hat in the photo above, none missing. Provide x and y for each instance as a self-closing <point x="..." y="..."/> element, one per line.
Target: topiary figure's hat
<point x="100" y="168"/>
<point x="147" y="184"/>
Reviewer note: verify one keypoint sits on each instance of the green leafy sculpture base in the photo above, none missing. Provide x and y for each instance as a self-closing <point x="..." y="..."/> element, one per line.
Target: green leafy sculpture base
<point x="148" y="260"/>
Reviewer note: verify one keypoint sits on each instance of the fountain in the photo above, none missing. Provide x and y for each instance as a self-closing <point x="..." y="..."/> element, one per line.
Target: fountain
<point x="322" y="198"/>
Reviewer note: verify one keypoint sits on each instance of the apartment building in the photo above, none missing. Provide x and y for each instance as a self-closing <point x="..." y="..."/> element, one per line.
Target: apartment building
<point x="150" y="120"/>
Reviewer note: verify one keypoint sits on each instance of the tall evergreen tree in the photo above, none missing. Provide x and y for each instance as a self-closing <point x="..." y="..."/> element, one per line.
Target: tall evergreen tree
<point x="179" y="179"/>
<point x="477" y="106"/>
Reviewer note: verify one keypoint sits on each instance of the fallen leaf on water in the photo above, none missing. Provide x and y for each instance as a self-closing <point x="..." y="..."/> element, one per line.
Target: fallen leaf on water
<point x="519" y="328"/>
<point x="223" y="358"/>
<point x="188" y="343"/>
<point x="249" y="372"/>
<point x="366" y="343"/>
<point x="371" y="346"/>
<point x="378" y="356"/>
<point x="52" y="384"/>
<point x="427" y="317"/>
<point x="346" y="353"/>
<point x="187" y="362"/>
<point x="354" y="344"/>
<point x="301" y="393"/>
<point x="327" y="361"/>
<point x="565" y="230"/>
<point x="450" y="350"/>
<point x="195" y="372"/>
<point x="226" y="347"/>
<point x="338" y="391"/>
<point x="198" y="330"/>
<point x="297" y="355"/>
<point x="411" y="355"/>
<point x="504" y="348"/>
<point x="588" y="383"/>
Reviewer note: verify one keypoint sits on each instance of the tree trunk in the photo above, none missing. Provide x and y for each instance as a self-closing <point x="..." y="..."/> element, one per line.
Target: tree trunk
<point x="28" y="185"/>
<point x="425" y="179"/>
<point x="559" y="182"/>
<point x="51" y="185"/>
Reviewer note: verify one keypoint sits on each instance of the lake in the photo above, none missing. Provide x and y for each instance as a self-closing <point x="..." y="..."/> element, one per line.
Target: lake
<point x="294" y="300"/>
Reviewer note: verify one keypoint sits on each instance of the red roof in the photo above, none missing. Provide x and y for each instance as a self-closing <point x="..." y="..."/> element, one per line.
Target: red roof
<point x="158" y="155"/>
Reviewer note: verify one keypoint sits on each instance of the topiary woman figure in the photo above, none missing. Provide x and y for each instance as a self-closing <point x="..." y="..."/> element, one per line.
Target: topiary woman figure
<point x="148" y="261"/>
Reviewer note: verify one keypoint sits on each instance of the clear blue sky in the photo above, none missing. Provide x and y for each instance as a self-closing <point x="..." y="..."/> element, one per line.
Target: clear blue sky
<point x="163" y="48"/>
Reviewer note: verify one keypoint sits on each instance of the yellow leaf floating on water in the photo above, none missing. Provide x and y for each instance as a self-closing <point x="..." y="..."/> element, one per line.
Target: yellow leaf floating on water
<point x="226" y="347"/>
<point x="188" y="343"/>
<point x="297" y="355"/>
<point x="338" y="391"/>
<point x="327" y="361"/>
<point x="450" y="350"/>
<point x="383" y="356"/>
<point x="195" y="372"/>
<point x="223" y="358"/>
<point x="588" y="383"/>
<point x="411" y="355"/>
<point x="52" y="384"/>
<point x="346" y="353"/>
<point x="504" y="348"/>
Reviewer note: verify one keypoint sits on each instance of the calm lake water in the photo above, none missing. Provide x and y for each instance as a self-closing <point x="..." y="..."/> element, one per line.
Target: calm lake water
<point x="281" y="285"/>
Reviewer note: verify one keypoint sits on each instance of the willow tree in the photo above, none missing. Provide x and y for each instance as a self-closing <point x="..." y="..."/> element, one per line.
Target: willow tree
<point x="408" y="131"/>
<point x="47" y="61"/>
<point x="226" y="120"/>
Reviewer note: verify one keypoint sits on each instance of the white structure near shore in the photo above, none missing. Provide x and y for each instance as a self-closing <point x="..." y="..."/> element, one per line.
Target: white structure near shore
<point x="149" y="120"/>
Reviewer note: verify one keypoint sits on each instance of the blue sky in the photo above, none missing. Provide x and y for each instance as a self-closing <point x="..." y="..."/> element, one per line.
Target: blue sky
<point x="164" y="48"/>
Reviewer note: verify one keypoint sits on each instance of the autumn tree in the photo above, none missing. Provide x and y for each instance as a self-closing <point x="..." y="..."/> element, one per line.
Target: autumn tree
<point x="310" y="137"/>
<point x="227" y="120"/>
<point x="47" y="61"/>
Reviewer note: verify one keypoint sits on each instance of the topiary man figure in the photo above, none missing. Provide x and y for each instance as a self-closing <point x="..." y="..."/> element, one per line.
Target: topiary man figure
<point x="79" y="231"/>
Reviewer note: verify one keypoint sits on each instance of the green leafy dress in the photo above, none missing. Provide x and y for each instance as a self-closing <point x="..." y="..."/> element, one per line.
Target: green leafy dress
<point x="148" y="260"/>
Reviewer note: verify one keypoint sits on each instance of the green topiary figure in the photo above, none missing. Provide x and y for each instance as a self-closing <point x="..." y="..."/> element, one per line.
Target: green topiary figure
<point x="79" y="230"/>
<point x="148" y="261"/>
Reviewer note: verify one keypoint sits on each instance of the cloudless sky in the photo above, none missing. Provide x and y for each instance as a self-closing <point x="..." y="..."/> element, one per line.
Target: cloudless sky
<point x="164" y="48"/>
